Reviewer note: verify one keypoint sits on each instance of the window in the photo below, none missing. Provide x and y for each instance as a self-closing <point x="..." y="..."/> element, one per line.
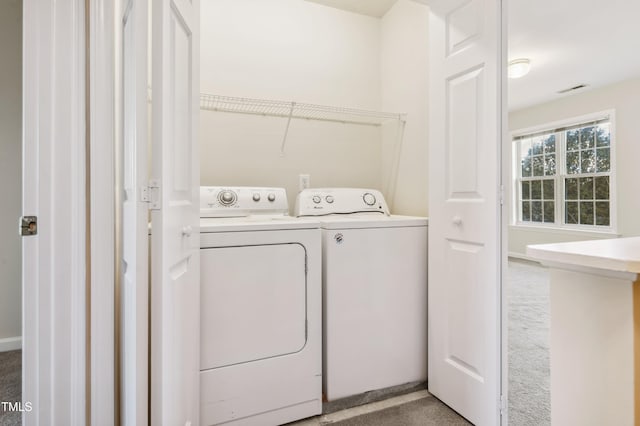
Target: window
<point x="564" y="176"/>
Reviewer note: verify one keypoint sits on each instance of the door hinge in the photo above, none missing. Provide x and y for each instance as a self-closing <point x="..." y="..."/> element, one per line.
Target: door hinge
<point x="150" y="194"/>
<point x="28" y="225"/>
<point x="502" y="195"/>
<point x="503" y="405"/>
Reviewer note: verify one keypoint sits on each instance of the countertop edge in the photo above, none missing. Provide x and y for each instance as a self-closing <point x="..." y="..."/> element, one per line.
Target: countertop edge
<point x="574" y="253"/>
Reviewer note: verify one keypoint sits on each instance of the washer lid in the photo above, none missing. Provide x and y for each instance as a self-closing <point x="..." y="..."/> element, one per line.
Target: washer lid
<point x="368" y="220"/>
<point x="256" y="223"/>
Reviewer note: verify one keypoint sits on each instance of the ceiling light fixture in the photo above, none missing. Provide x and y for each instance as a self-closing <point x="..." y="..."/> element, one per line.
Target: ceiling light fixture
<point x="519" y="68"/>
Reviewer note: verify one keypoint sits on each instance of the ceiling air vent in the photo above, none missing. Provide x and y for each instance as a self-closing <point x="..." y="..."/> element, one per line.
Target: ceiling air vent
<point x="571" y="89"/>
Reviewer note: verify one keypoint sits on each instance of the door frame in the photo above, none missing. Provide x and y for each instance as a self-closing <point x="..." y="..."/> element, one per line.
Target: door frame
<point x="103" y="215"/>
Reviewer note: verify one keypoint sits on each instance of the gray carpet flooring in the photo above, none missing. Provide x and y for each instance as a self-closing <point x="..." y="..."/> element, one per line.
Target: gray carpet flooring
<point x="529" y="374"/>
<point x="10" y="385"/>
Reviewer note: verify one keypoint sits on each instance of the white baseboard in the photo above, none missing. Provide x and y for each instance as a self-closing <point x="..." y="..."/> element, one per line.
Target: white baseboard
<point x="10" y="344"/>
<point x="520" y="256"/>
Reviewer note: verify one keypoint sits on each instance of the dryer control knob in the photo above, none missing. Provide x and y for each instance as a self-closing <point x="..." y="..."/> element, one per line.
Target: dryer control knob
<point x="227" y="197"/>
<point x="329" y="199"/>
<point x="271" y="197"/>
<point x="256" y="196"/>
<point x="316" y="199"/>
<point x="369" y="199"/>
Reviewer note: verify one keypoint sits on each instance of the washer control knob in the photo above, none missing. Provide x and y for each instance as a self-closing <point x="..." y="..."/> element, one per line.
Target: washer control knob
<point x="369" y="199"/>
<point x="256" y="196"/>
<point x="271" y="197"/>
<point x="316" y="199"/>
<point x="227" y="198"/>
<point x="329" y="199"/>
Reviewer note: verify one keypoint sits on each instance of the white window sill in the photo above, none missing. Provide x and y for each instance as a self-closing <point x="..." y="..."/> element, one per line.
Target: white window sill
<point x="605" y="233"/>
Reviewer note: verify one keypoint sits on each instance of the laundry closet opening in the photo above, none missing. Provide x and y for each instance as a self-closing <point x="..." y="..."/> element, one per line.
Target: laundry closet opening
<point x="366" y="74"/>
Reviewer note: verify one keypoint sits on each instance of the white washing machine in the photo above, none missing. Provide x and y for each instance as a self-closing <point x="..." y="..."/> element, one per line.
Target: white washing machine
<point x="261" y="307"/>
<point x="374" y="291"/>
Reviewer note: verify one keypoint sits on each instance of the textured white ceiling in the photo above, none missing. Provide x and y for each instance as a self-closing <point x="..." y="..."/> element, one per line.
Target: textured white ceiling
<point x="375" y="8"/>
<point x="571" y="42"/>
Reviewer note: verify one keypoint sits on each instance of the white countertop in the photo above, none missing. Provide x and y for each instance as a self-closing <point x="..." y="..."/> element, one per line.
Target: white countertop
<point x="618" y="254"/>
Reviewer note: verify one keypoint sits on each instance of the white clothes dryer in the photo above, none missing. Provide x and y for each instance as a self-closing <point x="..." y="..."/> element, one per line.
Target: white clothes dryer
<point x="374" y="291"/>
<point x="260" y="354"/>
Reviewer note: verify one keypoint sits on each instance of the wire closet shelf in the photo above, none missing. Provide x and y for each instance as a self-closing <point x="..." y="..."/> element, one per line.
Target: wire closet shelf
<point x="296" y="110"/>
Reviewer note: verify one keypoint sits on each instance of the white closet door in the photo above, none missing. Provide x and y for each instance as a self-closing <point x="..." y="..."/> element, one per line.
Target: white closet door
<point x="134" y="293"/>
<point x="464" y="206"/>
<point x="175" y="268"/>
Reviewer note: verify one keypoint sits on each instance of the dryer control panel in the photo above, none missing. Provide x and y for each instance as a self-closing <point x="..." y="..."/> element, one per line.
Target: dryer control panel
<point x="227" y="201"/>
<point x="324" y="201"/>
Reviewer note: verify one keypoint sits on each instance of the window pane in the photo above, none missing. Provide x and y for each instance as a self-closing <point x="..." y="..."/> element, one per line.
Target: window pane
<point x="525" y="157"/>
<point x="572" y="140"/>
<point x="538" y="167"/>
<point x="587" y="137"/>
<point x="526" y="210"/>
<point x="602" y="213"/>
<point x="571" y="189"/>
<point x="549" y="212"/>
<point x="603" y="160"/>
<point x="586" y="188"/>
<point x="550" y="144"/>
<point x="548" y="189"/>
<point x="536" y="148"/>
<point x="588" y="161"/>
<point x="571" y="212"/>
<point x="573" y="162"/>
<point x="602" y="188"/>
<point x="550" y="165"/>
<point x="536" y="211"/>
<point x="536" y="190"/>
<point x="603" y="136"/>
<point x="526" y="194"/>
<point x="586" y="213"/>
<point x="526" y="167"/>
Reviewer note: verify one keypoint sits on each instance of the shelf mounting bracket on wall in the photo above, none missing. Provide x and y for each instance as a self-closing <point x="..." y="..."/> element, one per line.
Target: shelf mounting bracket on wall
<point x="286" y="130"/>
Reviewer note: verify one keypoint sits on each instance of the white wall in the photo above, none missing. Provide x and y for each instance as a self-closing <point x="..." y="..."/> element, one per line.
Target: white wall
<point x="404" y="67"/>
<point x="289" y="50"/>
<point x="301" y="51"/>
<point x="10" y="170"/>
<point x="624" y="98"/>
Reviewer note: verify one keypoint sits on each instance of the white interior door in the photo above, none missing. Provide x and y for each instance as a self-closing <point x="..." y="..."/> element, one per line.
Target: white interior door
<point x="54" y="316"/>
<point x="134" y="330"/>
<point x="465" y="206"/>
<point x="175" y="267"/>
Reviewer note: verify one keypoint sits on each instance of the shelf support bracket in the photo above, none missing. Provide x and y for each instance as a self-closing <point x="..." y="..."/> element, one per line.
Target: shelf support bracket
<point x="286" y="130"/>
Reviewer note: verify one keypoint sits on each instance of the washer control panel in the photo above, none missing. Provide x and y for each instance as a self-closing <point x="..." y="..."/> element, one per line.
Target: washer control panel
<point x="324" y="201"/>
<point x="216" y="201"/>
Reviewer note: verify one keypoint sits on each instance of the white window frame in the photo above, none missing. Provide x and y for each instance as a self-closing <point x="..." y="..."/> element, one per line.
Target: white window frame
<point x="559" y="178"/>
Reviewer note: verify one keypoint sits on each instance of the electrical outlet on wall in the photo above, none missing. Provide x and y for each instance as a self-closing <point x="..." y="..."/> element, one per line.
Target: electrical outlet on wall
<point x="304" y="181"/>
